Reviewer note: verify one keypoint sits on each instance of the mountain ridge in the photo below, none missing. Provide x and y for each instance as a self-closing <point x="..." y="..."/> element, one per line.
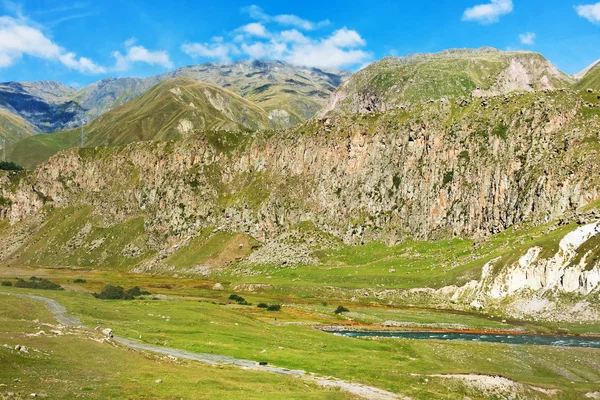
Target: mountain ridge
<point x="457" y="73"/>
<point x="48" y="99"/>
<point x="172" y="109"/>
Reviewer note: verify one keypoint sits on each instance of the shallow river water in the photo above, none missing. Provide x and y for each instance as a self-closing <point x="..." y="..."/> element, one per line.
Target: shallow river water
<point x="544" y="340"/>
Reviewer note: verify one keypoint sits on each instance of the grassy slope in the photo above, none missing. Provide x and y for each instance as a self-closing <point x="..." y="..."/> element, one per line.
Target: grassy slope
<point x="63" y="370"/>
<point x="433" y="76"/>
<point x="14" y="128"/>
<point x="31" y="151"/>
<point x="271" y="84"/>
<point x="72" y="236"/>
<point x="590" y="81"/>
<point x="155" y="115"/>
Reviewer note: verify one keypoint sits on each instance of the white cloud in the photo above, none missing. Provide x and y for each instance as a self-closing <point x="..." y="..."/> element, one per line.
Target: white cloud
<point x="255" y="29"/>
<point x="528" y="38"/>
<point x="139" y="54"/>
<point x="591" y="12"/>
<point x="346" y="38"/>
<point x="18" y="38"/>
<point x="340" y="49"/>
<point x="293" y="36"/>
<point x="488" y="13"/>
<point x="257" y="13"/>
<point x="81" y="64"/>
<point x="216" y="49"/>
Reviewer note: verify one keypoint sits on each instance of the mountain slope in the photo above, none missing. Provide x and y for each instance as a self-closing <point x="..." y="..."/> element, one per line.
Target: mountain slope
<point x="397" y="82"/>
<point x="292" y="94"/>
<point x="14" y="128"/>
<point x="435" y="170"/>
<point x="171" y="110"/>
<point x="47" y="105"/>
<point x="280" y="203"/>
<point x="589" y="78"/>
<point x="274" y="85"/>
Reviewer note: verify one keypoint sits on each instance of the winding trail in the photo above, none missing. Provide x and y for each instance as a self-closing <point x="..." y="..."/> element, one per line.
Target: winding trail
<point x="368" y="392"/>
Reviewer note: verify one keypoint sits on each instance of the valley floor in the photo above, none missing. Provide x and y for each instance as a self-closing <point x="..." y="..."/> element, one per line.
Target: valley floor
<point x="188" y="315"/>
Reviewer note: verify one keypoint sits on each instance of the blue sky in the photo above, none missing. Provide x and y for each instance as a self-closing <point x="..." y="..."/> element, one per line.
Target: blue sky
<point x="80" y="42"/>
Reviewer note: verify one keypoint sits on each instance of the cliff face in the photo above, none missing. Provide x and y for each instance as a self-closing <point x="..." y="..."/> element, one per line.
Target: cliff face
<point x="438" y="171"/>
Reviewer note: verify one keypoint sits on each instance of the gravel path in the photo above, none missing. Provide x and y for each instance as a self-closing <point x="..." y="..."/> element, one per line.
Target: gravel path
<point x="368" y="392"/>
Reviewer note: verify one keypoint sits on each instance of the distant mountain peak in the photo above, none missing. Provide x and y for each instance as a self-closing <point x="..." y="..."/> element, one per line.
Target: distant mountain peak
<point x="299" y="91"/>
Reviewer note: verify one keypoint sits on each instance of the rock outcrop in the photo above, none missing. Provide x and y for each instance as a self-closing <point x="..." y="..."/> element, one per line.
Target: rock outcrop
<point x="436" y="171"/>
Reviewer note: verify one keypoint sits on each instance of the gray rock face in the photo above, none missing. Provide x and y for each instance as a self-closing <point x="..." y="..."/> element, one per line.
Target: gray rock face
<point x="425" y="173"/>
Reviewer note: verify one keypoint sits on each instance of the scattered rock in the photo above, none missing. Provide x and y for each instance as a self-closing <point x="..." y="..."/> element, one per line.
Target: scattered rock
<point x="107" y="331"/>
<point x="218" y="286"/>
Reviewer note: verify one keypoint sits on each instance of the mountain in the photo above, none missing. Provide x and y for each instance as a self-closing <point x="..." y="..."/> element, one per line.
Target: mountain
<point x="171" y="110"/>
<point x="434" y="171"/>
<point x="46" y="105"/>
<point x="397" y="82"/>
<point x="14" y="128"/>
<point x="274" y="85"/>
<point x="589" y="78"/>
<point x="290" y="93"/>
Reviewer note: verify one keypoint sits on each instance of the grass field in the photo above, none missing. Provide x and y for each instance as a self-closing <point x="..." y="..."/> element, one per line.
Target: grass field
<point x="192" y="317"/>
<point x="74" y="364"/>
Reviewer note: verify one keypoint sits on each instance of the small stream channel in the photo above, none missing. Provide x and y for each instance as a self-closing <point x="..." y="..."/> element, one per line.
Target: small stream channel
<point x="542" y="340"/>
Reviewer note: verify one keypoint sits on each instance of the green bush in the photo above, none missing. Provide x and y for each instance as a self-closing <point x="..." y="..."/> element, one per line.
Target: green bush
<point x="10" y="166"/>
<point x="262" y="305"/>
<point x="6" y="283"/>
<point x="274" y="307"/>
<point x="238" y="299"/>
<point x="79" y="280"/>
<point x="134" y="291"/>
<point x="341" y="309"/>
<point x="37" y="283"/>
<point x="111" y="292"/>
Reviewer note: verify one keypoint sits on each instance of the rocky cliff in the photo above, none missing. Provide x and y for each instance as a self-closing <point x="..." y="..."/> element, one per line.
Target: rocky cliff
<point x="439" y="170"/>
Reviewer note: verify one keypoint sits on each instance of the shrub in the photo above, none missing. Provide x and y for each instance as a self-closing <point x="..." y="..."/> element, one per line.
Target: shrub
<point x="274" y="307"/>
<point x="341" y="309"/>
<point x="134" y="291"/>
<point x="262" y="305"/>
<point x="238" y="299"/>
<point x="10" y="166"/>
<point x="37" y="283"/>
<point x="79" y="280"/>
<point x="111" y="292"/>
<point x="6" y="283"/>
